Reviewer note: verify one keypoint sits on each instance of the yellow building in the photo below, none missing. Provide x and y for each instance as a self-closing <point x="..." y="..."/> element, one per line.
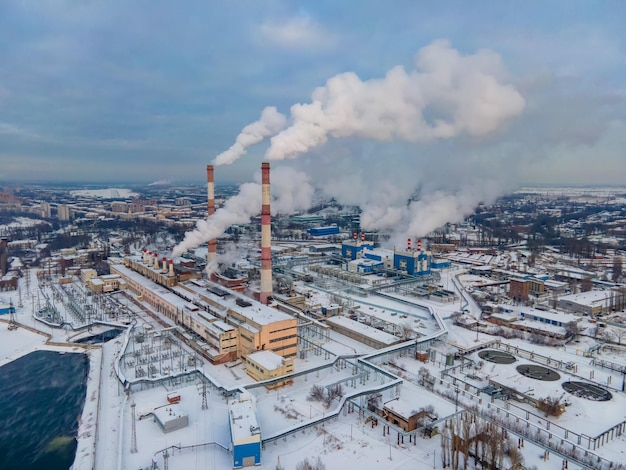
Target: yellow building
<point x="260" y="327"/>
<point x="267" y="365"/>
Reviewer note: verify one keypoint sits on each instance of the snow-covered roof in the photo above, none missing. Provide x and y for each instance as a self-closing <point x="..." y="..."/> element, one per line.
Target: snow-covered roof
<point x="403" y="406"/>
<point x="589" y="298"/>
<point x="364" y="330"/>
<point x="269" y="360"/>
<point x="256" y="311"/>
<point x="244" y="427"/>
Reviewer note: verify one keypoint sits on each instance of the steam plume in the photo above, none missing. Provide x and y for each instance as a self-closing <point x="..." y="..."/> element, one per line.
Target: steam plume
<point x="270" y="122"/>
<point x="445" y="96"/>
<point x="291" y="191"/>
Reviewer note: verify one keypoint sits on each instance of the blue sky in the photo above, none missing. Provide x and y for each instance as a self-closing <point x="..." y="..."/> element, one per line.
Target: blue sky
<point x="109" y="90"/>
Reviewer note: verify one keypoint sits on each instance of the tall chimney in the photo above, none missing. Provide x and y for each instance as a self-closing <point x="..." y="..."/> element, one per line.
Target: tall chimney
<point x="266" y="235"/>
<point x="164" y="269"/>
<point x="408" y="244"/>
<point x="171" y="268"/>
<point x="210" y="186"/>
<point x="156" y="261"/>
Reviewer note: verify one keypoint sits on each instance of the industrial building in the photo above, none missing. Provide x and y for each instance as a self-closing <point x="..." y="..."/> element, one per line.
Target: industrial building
<point x="590" y="303"/>
<point x="229" y="324"/>
<point x="361" y="257"/>
<point x="267" y="365"/>
<point x="365" y="334"/>
<point x="170" y="417"/>
<point x="324" y="231"/>
<point x="403" y="412"/>
<point x="245" y="432"/>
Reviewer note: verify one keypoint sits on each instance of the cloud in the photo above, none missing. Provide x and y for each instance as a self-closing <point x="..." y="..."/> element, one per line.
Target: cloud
<point x="297" y="32"/>
<point x="444" y="96"/>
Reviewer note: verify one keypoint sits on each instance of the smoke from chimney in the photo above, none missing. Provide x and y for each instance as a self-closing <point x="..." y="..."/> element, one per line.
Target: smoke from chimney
<point x="270" y="122"/>
<point x="292" y="192"/>
<point x="446" y="96"/>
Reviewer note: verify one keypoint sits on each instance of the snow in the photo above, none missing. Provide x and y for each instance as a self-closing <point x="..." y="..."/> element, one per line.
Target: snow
<point x="108" y="193"/>
<point x="269" y="360"/>
<point x="346" y="440"/>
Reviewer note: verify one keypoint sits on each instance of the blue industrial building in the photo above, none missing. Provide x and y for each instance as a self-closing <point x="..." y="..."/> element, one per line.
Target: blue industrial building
<point x="350" y="249"/>
<point x="413" y="262"/>
<point x="440" y="263"/>
<point x="245" y="432"/>
<point x="323" y="231"/>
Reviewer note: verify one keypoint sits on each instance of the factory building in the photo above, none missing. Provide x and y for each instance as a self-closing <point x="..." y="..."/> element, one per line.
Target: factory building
<point x="324" y="231"/>
<point x="362" y="333"/>
<point x="267" y="365"/>
<point x="352" y="249"/>
<point x="260" y="327"/>
<point x="245" y="432"/>
<point x="413" y="262"/>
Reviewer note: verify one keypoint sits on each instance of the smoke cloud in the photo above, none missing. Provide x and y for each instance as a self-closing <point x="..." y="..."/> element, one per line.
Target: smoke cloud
<point x="446" y="95"/>
<point x="414" y="149"/>
<point x="270" y="122"/>
<point x="291" y="191"/>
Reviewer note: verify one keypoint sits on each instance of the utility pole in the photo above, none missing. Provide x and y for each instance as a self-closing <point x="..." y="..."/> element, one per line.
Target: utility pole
<point x="133" y="435"/>
<point x="204" y="403"/>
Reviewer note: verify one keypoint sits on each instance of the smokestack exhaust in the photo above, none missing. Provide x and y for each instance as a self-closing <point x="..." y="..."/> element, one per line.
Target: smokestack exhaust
<point x="266" y="235"/>
<point x="212" y="245"/>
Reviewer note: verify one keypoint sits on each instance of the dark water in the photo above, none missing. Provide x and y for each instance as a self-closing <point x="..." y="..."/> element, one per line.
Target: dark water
<point x="41" y="398"/>
<point x="101" y="338"/>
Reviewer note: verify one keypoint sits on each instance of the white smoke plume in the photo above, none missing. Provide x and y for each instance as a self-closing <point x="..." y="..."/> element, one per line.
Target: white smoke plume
<point x="237" y="210"/>
<point x="445" y="96"/>
<point x="291" y="191"/>
<point x="270" y="122"/>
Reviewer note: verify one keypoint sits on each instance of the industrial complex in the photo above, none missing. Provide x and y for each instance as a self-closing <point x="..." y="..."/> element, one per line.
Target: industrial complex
<point x="226" y="359"/>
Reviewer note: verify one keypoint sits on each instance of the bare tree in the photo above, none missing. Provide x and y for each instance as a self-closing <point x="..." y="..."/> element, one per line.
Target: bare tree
<point x="617" y="268"/>
<point x="315" y="465"/>
<point x="406" y="330"/>
<point x="316" y="393"/>
<point x="551" y="406"/>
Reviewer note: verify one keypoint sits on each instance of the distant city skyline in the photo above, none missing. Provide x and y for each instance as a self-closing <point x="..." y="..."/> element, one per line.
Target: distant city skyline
<point x="140" y="92"/>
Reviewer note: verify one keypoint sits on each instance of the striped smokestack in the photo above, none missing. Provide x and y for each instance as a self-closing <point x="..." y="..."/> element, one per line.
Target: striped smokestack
<point x="210" y="182"/>
<point x="266" y="235"/>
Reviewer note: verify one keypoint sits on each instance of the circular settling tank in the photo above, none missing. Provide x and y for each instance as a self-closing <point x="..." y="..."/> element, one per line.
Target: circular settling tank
<point x="499" y="357"/>
<point x="588" y="391"/>
<point x="533" y="371"/>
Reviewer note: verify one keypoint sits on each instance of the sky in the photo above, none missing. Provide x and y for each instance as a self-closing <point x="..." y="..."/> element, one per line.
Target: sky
<point x="148" y="90"/>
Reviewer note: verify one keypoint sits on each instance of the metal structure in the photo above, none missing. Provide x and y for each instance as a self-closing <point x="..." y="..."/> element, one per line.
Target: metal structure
<point x="212" y="244"/>
<point x="266" y="236"/>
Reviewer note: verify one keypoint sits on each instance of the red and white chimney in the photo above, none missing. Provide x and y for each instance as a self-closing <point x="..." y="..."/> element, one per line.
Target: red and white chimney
<point x="171" y="268"/>
<point x="419" y="244"/>
<point x="266" y="235"/>
<point x="156" y="261"/>
<point x="164" y="268"/>
<point x="355" y="236"/>
<point x="362" y="237"/>
<point x="144" y="256"/>
<point x="408" y="244"/>
<point x="210" y="182"/>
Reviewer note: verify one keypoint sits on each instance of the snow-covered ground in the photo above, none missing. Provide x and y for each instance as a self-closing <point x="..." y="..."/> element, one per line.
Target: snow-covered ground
<point x="108" y="193"/>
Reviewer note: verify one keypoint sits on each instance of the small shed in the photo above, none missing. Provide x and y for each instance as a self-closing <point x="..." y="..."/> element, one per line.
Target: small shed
<point x="403" y="413"/>
<point x="171" y="418"/>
